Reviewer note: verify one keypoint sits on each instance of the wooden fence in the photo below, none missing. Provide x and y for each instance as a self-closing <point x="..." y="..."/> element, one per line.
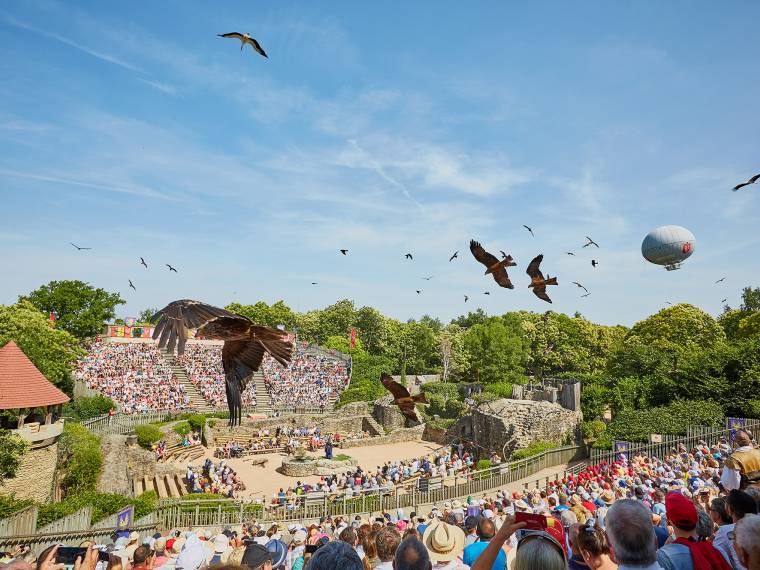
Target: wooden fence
<point x="669" y="443"/>
<point x="174" y="513"/>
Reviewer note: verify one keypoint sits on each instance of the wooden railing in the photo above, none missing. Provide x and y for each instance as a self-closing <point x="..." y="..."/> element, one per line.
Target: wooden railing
<point x="427" y="491"/>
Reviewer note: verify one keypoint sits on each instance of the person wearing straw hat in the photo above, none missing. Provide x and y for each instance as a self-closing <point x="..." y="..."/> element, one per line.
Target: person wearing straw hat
<point x="445" y="544"/>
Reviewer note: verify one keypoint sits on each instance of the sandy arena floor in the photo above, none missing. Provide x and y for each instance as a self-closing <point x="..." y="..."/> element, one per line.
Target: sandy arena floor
<point x="266" y="481"/>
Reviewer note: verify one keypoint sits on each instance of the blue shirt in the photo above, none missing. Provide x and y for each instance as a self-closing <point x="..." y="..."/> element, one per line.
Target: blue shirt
<point x="472" y="552"/>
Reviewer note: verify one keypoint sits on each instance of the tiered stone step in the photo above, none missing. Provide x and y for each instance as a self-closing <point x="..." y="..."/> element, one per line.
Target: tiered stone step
<point x="263" y="406"/>
<point x="166" y="486"/>
<point x="182" y="454"/>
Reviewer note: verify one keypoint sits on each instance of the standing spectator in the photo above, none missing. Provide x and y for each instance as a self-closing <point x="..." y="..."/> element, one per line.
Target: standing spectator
<point x="747" y="540"/>
<point x="142" y="559"/>
<point x="412" y="555"/>
<point x="486" y="531"/>
<point x="387" y="540"/>
<point x="445" y="545"/>
<point x="591" y="543"/>
<point x="631" y="535"/>
<point x="720" y="517"/>
<point x="743" y="467"/>
<point x="687" y="552"/>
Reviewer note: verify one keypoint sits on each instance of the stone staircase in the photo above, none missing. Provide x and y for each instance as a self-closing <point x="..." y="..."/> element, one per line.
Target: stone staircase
<point x="166" y="486"/>
<point x="262" y="395"/>
<point x="197" y="401"/>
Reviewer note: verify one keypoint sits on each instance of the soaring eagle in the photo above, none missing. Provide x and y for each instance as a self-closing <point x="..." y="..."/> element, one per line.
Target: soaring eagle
<point x="497" y="268"/>
<point x="402" y="398"/>
<point x="245" y="39"/>
<point x="244" y="343"/>
<point x="537" y="281"/>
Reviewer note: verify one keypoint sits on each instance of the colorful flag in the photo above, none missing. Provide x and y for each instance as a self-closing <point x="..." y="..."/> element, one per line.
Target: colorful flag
<point x="353" y="338"/>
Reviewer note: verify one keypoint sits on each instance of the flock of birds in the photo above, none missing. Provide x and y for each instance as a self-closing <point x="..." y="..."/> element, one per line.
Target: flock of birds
<point x="245" y="343"/>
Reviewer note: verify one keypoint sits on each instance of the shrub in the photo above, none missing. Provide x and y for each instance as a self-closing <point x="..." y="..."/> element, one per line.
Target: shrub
<point x="221" y="415"/>
<point x="673" y="419"/>
<point x="9" y="504"/>
<point x="442" y="424"/>
<point x="341" y="457"/>
<point x="88" y="407"/>
<point x="595" y="399"/>
<point x="181" y="428"/>
<point x="499" y="389"/>
<point x="81" y="458"/>
<point x="483" y="464"/>
<point x="197" y="422"/>
<point x="593" y="429"/>
<point x="104" y="504"/>
<point x="533" y="449"/>
<point x="446" y="390"/>
<point x="751" y="409"/>
<point x="212" y="423"/>
<point x="604" y="441"/>
<point x="147" y="435"/>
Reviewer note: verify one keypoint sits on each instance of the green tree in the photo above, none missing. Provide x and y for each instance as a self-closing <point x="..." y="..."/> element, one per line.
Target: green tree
<point x="749" y="326"/>
<point x="82" y="309"/>
<point x="146" y="316"/>
<point x="478" y="317"/>
<point x="678" y="326"/>
<point x="12" y="449"/>
<point x="266" y="315"/>
<point x="496" y="351"/>
<point x="51" y="350"/>
<point x="454" y="357"/>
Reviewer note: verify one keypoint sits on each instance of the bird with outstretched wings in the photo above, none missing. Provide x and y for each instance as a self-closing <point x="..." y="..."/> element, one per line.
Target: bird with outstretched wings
<point x="537" y="281"/>
<point x="494" y="266"/>
<point x="402" y="398"/>
<point x="579" y="285"/>
<point x="244" y="343"/>
<point x="245" y="39"/>
<point x="752" y="180"/>
<point x="453" y="257"/>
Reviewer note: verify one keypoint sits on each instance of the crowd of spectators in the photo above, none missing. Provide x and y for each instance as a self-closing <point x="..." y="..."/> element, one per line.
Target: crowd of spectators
<point x="203" y="365"/>
<point x="134" y="375"/>
<point x="695" y="509"/>
<point x="219" y="479"/>
<point x="310" y="380"/>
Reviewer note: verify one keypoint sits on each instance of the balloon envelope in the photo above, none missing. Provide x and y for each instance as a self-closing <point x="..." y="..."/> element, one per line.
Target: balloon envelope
<point x="668" y="246"/>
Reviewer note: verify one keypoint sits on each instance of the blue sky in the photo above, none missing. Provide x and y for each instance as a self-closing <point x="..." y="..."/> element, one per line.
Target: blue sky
<point x="382" y="128"/>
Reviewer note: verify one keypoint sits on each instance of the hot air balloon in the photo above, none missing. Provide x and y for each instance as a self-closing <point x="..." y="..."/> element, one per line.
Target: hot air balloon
<point x="668" y="246"/>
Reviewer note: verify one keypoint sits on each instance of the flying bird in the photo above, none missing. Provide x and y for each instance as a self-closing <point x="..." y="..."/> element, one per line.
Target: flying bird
<point x="724" y="300"/>
<point x="668" y="303"/>
<point x="721" y="280"/>
<point x="537" y="281"/>
<point x="314" y="283"/>
<point x="344" y="251"/>
<point x="402" y="398"/>
<point x="418" y="291"/>
<point x="570" y="253"/>
<point x="79" y="248"/>
<point x="529" y="229"/>
<point x="244" y="342"/>
<point x="142" y="262"/>
<point x="586" y="295"/>
<point x="409" y="256"/>
<point x="752" y="180"/>
<point x="453" y="257"/>
<point x="171" y="268"/>
<point x="486" y="292"/>
<point x="428" y="278"/>
<point x="494" y="266"/>
<point x="245" y="39"/>
<point x="466" y="298"/>
<point x="579" y="285"/>
<point x="590" y="242"/>
<point x="132" y="284"/>
<point x="594" y="263"/>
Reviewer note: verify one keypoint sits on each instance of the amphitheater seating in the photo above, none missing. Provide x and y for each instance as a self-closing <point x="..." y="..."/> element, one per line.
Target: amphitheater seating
<point x="166" y="486"/>
<point x="182" y="453"/>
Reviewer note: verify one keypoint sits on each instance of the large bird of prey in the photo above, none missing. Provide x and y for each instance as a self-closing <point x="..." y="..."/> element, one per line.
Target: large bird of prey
<point x="142" y="262"/>
<point x="529" y="229"/>
<point x="497" y="268"/>
<point x="537" y="281"/>
<point x="453" y="257"/>
<point x="466" y="298"/>
<point x="402" y="398"/>
<point x="132" y="285"/>
<point x="244" y="343"/>
<point x="721" y="280"/>
<point x="171" y="268"/>
<point x="79" y="248"/>
<point x="590" y="242"/>
<point x="245" y="39"/>
<point x="344" y="251"/>
<point x="409" y="256"/>
<point x="752" y="180"/>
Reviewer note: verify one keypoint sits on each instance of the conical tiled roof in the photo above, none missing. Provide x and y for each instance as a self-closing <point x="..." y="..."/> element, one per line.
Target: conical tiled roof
<point x="21" y="384"/>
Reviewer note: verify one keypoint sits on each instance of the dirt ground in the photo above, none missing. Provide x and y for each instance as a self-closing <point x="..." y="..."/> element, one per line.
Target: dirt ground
<point x="267" y="481"/>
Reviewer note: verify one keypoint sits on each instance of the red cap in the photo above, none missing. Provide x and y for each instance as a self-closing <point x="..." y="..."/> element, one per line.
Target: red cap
<point x="681" y="511"/>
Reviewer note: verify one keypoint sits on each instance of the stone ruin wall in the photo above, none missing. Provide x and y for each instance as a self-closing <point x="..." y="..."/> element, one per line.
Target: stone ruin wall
<point x="508" y="425"/>
<point x="35" y="475"/>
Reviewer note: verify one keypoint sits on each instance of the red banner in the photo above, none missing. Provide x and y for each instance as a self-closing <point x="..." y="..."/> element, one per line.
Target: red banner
<point x="353" y="338"/>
